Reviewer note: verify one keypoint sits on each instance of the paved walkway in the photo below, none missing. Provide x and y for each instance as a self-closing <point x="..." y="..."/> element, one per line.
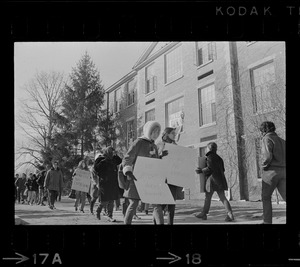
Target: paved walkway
<point x="64" y="214"/>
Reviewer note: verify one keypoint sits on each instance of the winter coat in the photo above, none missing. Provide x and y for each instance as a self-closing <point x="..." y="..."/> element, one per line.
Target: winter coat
<point x="40" y="180"/>
<point x="272" y="151"/>
<point x="20" y="183"/>
<point x="31" y="185"/>
<point x="94" y="186"/>
<point x="142" y="147"/>
<point x="177" y="191"/>
<point x="54" y="180"/>
<point x="107" y="170"/>
<point x="214" y="172"/>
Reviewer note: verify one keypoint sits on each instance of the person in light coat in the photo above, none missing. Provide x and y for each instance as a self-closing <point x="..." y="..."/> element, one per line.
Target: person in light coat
<point x="273" y="167"/>
<point x="144" y="147"/>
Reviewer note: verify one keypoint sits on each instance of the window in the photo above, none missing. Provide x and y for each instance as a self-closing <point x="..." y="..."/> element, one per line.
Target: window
<point x="207" y="105"/>
<point x="130" y="91"/>
<point x="202" y="151"/>
<point x="263" y="91"/>
<point x="130" y="132"/>
<point x="151" y="79"/>
<point x="258" y="157"/>
<point x="174" y="112"/>
<point x="117" y="102"/>
<point x="173" y="65"/>
<point x="150" y="115"/>
<point x="206" y="52"/>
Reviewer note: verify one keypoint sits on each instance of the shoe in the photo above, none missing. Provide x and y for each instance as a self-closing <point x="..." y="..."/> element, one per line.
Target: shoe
<point x="81" y="211"/>
<point x="42" y="204"/>
<point x="146" y="212"/>
<point x="51" y="207"/>
<point x="201" y="215"/>
<point x="135" y="217"/>
<point x="76" y="208"/>
<point x="229" y="218"/>
<point x="110" y="219"/>
<point x="98" y="215"/>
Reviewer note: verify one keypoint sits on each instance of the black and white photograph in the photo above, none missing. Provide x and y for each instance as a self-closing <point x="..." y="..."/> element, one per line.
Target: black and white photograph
<point x="189" y="132"/>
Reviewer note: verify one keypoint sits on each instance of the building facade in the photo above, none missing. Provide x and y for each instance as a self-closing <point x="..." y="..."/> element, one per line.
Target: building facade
<point x="208" y="88"/>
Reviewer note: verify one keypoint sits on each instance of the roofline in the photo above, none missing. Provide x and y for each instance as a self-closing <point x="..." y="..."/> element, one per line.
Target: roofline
<point x="121" y="81"/>
<point x="164" y="49"/>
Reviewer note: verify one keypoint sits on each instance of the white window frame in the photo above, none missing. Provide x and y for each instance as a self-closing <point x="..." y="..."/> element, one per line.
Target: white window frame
<point x="147" y="112"/>
<point x="130" y="95"/>
<point x="208" y="53"/>
<point x="150" y="80"/>
<point x="259" y="107"/>
<point x="130" y="132"/>
<point x="172" y="60"/>
<point x="168" y="124"/>
<point x="203" y="122"/>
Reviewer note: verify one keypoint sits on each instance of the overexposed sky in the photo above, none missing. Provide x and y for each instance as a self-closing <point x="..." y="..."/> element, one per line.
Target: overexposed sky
<point x="112" y="59"/>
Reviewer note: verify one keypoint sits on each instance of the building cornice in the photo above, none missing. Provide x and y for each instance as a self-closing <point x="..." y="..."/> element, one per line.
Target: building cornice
<point x="140" y="64"/>
<point x="123" y="80"/>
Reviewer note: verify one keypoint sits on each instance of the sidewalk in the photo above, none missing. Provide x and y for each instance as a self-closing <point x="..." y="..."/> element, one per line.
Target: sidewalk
<point x="64" y="214"/>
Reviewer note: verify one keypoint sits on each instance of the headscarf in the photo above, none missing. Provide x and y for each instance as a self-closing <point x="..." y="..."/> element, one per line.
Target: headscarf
<point x="149" y="127"/>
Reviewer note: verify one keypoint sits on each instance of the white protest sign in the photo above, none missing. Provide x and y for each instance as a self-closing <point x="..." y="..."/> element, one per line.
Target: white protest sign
<point x="150" y="185"/>
<point x="181" y="163"/>
<point x="81" y="180"/>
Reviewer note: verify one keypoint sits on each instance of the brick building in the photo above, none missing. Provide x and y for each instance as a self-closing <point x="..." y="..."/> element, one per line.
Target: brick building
<point x="212" y="90"/>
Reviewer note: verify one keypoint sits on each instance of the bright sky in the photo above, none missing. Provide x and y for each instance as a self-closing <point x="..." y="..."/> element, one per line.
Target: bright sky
<point x="112" y="59"/>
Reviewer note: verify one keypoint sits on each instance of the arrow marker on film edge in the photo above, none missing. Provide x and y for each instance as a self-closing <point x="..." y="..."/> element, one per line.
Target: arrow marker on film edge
<point x="23" y="258"/>
<point x="176" y="258"/>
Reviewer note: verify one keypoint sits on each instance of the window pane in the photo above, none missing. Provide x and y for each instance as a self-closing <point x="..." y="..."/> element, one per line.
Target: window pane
<point x="207" y="105"/>
<point x="173" y="65"/>
<point x="263" y="79"/>
<point x="150" y="115"/>
<point x="174" y="112"/>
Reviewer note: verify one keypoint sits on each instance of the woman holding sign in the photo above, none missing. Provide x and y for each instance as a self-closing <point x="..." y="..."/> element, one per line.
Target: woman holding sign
<point x="168" y="136"/>
<point x="143" y="147"/>
<point x="80" y="195"/>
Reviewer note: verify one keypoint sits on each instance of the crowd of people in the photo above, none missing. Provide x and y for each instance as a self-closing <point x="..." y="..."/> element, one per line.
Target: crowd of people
<point x="108" y="168"/>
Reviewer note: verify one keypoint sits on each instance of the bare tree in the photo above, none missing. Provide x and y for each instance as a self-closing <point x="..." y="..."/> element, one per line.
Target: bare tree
<point x="37" y="119"/>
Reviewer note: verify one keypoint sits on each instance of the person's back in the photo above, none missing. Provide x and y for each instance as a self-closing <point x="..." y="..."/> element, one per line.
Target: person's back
<point x="273" y="150"/>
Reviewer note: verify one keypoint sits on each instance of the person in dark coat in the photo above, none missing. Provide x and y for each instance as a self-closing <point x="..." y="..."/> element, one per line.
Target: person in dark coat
<point x="168" y="136"/>
<point x="143" y="147"/>
<point x="273" y="167"/>
<point x="106" y="168"/>
<point x="32" y="187"/>
<point x="40" y="181"/>
<point x="215" y="182"/>
<point x="20" y="185"/>
<point x="53" y="183"/>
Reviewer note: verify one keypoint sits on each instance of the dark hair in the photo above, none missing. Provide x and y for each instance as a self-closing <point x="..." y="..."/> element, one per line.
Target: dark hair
<point x="267" y="126"/>
<point x="167" y="131"/>
<point x="212" y="146"/>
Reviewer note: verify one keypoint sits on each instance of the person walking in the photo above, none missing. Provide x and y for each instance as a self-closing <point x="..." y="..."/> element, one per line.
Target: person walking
<point x="53" y="183"/>
<point x="20" y="185"/>
<point x="168" y="136"/>
<point x="144" y="147"/>
<point x="32" y="187"/>
<point x="273" y="167"/>
<point x="106" y="167"/>
<point x="80" y="195"/>
<point x="40" y="181"/>
<point x="94" y="188"/>
<point x="215" y="182"/>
